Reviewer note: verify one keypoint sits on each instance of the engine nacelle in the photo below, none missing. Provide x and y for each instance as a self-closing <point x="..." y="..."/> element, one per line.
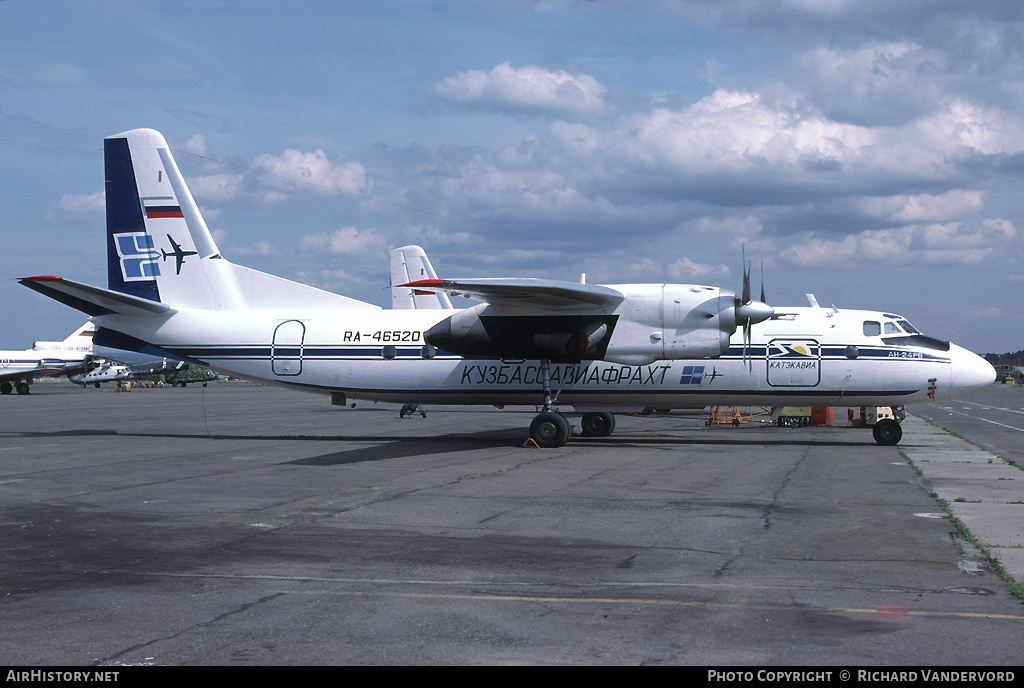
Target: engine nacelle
<point x="652" y="322"/>
<point x="672" y="321"/>
<point x="487" y="331"/>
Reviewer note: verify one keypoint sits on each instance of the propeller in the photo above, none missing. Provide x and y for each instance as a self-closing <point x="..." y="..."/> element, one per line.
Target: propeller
<point x="749" y="312"/>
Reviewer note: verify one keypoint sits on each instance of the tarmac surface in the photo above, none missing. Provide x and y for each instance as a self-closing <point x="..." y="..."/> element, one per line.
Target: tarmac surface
<point x="250" y="525"/>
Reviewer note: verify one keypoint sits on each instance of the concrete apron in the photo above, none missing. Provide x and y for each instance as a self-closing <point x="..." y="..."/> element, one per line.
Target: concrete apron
<point x="980" y="489"/>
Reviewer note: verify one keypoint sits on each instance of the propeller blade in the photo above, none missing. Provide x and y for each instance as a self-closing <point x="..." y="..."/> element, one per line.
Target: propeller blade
<point x="763" y="299"/>
<point x="749" y="346"/>
<point x="746" y="278"/>
<point x="750" y="312"/>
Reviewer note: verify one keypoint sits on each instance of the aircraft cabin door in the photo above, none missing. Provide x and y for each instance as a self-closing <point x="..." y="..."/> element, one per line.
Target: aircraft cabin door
<point x="794" y="363"/>
<point x="286" y="349"/>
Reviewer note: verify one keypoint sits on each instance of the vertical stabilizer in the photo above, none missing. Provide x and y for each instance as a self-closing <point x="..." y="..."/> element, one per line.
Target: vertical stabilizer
<point x="158" y="245"/>
<point x="160" y="249"/>
<point x="410" y="264"/>
<point x="79" y="340"/>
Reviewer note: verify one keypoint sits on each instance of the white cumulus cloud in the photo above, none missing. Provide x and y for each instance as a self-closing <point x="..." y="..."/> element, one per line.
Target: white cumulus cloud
<point x="292" y="170"/>
<point x="347" y="240"/>
<point x="525" y="90"/>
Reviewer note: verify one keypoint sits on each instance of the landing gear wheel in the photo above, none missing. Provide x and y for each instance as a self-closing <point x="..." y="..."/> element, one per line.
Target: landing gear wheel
<point x="887" y="432"/>
<point x="6" y="388"/>
<point x="408" y="410"/>
<point x="22" y="388"/>
<point x="598" y="424"/>
<point x="549" y="430"/>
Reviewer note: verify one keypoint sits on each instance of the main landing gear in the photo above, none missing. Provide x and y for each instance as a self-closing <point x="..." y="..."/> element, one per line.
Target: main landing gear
<point x="7" y="387"/>
<point x="887" y="431"/>
<point x="551" y="429"/>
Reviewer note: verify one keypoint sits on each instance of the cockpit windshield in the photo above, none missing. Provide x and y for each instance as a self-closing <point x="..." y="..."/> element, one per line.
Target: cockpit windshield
<point x="897" y="326"/>
<point x="899" y="332"/>
<point x="907" y="327"/>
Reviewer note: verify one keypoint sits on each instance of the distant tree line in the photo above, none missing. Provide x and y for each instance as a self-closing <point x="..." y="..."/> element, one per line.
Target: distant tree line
<point x="1008" y="365"/>
<point x="1014" y="360"/>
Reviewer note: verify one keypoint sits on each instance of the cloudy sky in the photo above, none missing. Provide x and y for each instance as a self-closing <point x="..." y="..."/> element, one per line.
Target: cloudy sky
<point x="870" y="152"/>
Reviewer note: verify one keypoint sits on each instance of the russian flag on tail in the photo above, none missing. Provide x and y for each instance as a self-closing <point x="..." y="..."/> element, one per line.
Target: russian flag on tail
<point x="161" y="206"/>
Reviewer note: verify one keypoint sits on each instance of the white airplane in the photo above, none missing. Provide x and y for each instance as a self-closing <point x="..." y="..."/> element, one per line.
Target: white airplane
<point x="593" y="349"/>
<point x="106" y="371"/>
<point x="46" y="359"/>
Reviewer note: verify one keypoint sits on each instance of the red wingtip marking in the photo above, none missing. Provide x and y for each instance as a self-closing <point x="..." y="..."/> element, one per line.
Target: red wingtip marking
<point x="45" y="278"/>
<point x="424" y="283"/>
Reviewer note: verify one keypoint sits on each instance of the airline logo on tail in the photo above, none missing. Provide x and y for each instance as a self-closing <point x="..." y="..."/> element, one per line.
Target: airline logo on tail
<point x="138" y="256"/>
<point x="177" y="254"/>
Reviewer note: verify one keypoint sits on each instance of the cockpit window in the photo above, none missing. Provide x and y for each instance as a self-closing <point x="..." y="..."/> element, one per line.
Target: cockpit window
<point x="890" y="328"/>
<point x="908" y="327"/>
<point x="872" y="328"/>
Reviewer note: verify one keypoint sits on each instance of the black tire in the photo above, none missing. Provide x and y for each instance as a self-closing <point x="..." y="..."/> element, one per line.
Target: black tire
<point x="598" y="424"/>
<point x="549" y="430"/>
<point x="6" y="388"/>
<point x="887" y="432"/>
<point x="22" y="388"/>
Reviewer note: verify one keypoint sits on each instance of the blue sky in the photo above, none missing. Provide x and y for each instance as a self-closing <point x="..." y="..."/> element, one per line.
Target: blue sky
<point x="868" y="152"/>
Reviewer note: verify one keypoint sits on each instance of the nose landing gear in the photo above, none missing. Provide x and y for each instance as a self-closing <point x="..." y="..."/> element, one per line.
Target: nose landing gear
<point x="887" y="431"/>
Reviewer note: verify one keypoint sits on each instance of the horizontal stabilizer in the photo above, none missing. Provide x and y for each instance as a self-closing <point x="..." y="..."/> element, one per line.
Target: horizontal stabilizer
<point x="93" y="301"/>
<point x="525" y="292"/>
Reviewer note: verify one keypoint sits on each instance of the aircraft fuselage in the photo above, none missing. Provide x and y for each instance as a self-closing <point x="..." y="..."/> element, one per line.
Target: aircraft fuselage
<point x="811" y="356"/>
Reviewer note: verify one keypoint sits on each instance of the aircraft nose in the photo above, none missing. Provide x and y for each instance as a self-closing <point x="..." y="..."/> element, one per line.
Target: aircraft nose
<point x="968" y="371"/>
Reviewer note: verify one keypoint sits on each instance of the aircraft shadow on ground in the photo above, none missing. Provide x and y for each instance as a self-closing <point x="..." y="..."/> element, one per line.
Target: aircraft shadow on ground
<point x="389" y="447"/>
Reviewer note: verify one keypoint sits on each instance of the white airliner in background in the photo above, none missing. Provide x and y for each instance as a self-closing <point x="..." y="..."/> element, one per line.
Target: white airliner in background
<point x="561" y="346"/>
<point x="46" y="359"/>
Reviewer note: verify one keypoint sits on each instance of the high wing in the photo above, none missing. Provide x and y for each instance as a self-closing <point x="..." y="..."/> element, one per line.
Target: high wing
<point x="525" y="291"/>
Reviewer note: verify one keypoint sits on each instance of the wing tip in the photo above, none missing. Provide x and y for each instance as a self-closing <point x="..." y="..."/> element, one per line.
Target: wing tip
<point x="424" y="283"/>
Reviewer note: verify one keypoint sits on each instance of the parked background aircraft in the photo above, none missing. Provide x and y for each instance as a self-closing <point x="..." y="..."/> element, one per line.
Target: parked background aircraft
<point x="597" y="349"/>
<point x="172" y="372"/>
<point x="81" y="359"/>
<point x="74" y="355"/>
<point x="106" y="371"/>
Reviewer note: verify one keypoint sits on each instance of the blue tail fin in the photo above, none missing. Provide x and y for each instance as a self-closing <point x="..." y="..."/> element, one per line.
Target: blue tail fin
<point x="132" y="264"/>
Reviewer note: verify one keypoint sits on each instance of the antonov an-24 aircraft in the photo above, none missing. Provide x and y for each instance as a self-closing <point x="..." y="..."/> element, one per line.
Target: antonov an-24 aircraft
<point x="592" y="349"/>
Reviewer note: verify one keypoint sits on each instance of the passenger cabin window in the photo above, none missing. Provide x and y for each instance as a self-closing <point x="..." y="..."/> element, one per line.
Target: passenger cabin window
<point x="872" y="329"/>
